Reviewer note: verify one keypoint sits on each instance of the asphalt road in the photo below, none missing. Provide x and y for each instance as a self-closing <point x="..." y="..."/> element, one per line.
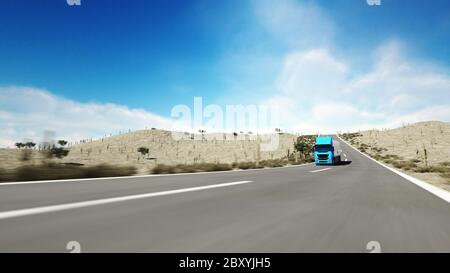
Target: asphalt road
<point x="294" y="209"/>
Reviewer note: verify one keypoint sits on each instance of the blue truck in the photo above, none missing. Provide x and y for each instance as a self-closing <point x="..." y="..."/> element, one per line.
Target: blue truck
<point x="327" y="151"/>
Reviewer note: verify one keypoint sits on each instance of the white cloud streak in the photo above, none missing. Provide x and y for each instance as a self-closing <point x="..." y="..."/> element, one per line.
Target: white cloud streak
<point x="25" y="113"/>
<point x="314" y="91"/>
<point x="296" y="24"/>
<point x="318" y="92"/>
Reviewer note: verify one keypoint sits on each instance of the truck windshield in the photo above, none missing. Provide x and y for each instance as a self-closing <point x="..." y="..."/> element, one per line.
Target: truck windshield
<point x="323" y="148"/>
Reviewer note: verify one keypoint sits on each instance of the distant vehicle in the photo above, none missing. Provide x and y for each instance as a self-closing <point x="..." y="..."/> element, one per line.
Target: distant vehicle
<point x="327" y="151"/>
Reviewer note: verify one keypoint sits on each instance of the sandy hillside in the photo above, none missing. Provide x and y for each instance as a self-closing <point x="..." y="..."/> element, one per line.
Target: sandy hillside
<point x="423" y="149"/>
<point x="165" y="148"/>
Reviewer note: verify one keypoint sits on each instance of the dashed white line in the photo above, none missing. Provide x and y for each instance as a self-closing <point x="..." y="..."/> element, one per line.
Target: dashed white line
<point x="68" y="206"/>
<point x="321" y="170"/>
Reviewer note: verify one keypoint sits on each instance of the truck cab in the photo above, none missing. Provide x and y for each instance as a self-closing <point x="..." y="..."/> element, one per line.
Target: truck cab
<point x="326" y="151"/>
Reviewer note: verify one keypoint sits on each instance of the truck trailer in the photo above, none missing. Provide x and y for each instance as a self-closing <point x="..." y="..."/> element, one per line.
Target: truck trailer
<point x="327" y="151"/>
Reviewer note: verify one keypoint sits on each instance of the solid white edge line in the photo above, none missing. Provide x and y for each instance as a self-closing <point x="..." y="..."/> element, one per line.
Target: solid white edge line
<point x="441" y="193"/>
<point x="141" y="176"/>
<point x="320" y="170"/>
<point x="75" y="205"/>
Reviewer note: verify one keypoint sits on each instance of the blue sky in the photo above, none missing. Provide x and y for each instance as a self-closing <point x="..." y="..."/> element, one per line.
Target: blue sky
<point x="151" y="55"/>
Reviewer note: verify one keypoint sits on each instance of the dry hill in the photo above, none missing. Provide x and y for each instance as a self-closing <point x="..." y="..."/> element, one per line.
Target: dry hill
<point x="421" y="149"/>
<point x="164" y="147"/>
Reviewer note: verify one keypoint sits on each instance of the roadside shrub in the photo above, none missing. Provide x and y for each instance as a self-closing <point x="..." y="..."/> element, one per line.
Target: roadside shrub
<point x="376" y="156"/>
<point x="59" y="171"/>
<point x="350" y="136"/>
<point x="162" y="168"/>
<point x="396" y="157"/>
<point x="273" y="163"/>
<point x="446" y="176"/>
<point x="248" y="165"/>
<point x="212" y="167"/>
<point x="190" y="168"/>
<point x="388" y="161"/>
<point x="216" y="167"/>
<point x="108" y="171"/>
<point x="445" y="163"/>
<point x="221" y="167"/>
<point x="303" y="147"/>
<point x="376" y="149"/>
<point x="182" y="168"/>
<point x="205" y="167"/>
<point x="423" y="170"/>
<point x="405" y="165"/>
<point x="3" y="175"/>
<point x="432" y="169"/>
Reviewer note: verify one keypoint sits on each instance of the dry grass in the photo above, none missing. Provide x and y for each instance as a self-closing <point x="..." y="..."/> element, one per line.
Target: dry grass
<point x="210" y="167"/>
<point x="421" y="150"/>
<point x="182" y="168"/>
<point x="164" y="153"/>
<point x="58" y="171"/>
<point x="164" y="147"/>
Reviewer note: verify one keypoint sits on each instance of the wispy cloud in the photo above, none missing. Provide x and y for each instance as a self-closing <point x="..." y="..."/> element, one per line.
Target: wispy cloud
<point x="298" y="70"/>
<point x="296" y="24"/>
<point x="318" y="93"/>
<point x="26" y="112"/>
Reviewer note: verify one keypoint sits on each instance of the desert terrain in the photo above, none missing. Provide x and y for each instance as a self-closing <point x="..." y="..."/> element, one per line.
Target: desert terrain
<point x="421" y="149"/>
<point x="146" y="149"/>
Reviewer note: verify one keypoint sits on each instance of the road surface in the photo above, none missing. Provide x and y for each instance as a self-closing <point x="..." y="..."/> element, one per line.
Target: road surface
<point x="293" y="209"/>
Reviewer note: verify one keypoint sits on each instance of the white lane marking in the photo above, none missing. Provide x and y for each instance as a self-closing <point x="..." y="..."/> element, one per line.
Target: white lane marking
<point x="321" y="170"/>
<point x="441" y="193"/>
<point x="68" y="206"/>
<point x="345" y="155"/>
<point x="142" y="176"/>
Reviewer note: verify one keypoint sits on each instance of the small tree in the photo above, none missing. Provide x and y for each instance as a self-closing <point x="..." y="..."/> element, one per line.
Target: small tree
<point x="59" y="152"/>
<point x="62" y="143"/>
<point x="30" y="144"/>
<point x="19" y="145"/>
<point x="26" y="153"/>
<point x="303" y="147"/>
<point x="143" y="150"/>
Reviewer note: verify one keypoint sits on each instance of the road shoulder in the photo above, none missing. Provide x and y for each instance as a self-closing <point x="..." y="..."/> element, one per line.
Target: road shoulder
<point x="439" y="192"/>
